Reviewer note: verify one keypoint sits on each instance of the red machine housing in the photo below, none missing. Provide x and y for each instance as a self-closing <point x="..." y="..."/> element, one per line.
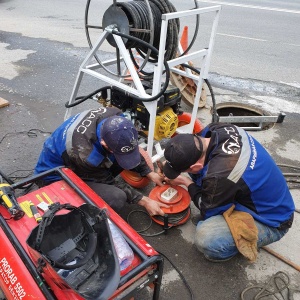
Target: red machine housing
<point x="19" y="276"/>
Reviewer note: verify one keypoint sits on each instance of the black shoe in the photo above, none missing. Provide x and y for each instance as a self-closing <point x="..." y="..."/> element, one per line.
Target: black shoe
<point x="219" y="260"/>
<point x="196" y="218"/>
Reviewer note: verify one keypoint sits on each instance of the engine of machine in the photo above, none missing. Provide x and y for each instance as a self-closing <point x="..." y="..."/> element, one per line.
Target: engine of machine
<point x="168" y="107"/>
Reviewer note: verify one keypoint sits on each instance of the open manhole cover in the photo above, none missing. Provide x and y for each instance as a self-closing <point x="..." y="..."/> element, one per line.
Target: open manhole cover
<point x="245" y="116"/>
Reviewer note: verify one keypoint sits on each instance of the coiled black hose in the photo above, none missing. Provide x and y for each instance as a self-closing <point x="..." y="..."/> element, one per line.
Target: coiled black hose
<point x="142" y="27"/>
<point x="138" y="16"/>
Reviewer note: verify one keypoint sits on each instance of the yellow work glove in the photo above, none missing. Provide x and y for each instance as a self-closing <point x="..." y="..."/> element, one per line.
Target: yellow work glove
<point x="244" y="232"/>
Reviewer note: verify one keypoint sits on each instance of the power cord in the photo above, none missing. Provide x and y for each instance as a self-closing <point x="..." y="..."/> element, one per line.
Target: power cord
<point x="141" y="232"/>
<point x="30" y="133"/>
<point x="292" y="178"/>
<point x="173" y="219"/>
<point x="277" y="284"/>
<point x="180" y="275"/>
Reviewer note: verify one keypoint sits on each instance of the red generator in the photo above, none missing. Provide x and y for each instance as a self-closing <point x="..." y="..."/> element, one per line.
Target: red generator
<point x="60" y="245"/>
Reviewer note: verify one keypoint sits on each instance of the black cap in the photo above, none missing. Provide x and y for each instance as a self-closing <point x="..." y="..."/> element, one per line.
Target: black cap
<point x="121" y="137"/>
<point x="181" y="152"/>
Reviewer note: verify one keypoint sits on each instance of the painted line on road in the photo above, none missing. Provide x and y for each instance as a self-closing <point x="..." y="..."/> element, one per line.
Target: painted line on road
<point x="253" y="6"/>
<point x="254" y="39"/>
<point x="242" y="37"/>
<point x="292" y="44"/>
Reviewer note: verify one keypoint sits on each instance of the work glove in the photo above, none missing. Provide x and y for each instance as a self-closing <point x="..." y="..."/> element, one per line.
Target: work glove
<point x="244" y="232"/>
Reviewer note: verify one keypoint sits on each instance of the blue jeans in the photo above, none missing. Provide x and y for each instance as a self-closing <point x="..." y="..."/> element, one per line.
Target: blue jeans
<point x="213" y="237"/>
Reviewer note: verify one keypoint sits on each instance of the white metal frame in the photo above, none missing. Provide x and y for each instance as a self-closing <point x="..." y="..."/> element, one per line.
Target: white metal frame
<point x="204" y="56"/>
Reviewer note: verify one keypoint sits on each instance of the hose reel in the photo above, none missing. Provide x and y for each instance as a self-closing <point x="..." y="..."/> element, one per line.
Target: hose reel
<point x="134" y="18"/>
<point x="142" y="20"/>
<point x="131" y="27"/>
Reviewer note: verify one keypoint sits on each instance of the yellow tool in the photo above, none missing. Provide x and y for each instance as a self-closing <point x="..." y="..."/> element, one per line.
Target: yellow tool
<point x="39" y="197"/>
<point x="26" y="208"/>
<point x="8" y="199"/>
<point x="47" y="198"/>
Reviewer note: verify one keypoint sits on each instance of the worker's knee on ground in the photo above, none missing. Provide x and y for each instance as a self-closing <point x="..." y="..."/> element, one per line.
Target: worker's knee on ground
<point x="117" y="200"/>
<point x="112" y="195"/>
<point x="213" y="238"/>
<point x="203" y="239"/>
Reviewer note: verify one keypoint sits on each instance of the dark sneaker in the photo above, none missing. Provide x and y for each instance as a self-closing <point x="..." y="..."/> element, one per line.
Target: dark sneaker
<point x="218" y="260"/>
<point x="195" y="219"/>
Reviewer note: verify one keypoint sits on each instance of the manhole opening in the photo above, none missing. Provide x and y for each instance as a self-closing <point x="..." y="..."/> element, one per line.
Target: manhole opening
<point x="245" y="112"/>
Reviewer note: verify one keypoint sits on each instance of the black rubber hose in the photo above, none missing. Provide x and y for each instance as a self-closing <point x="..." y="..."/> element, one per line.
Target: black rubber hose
<point x="148" y="75"/>
<point x="195" y="32"/>
<point x="214" y="113"/>
<point x="167" y="69"/>
<point x="81" y="99"/>
<point x="172" y="33"/>
<point x="137" y="14"/>
<point x="215" y="117"/>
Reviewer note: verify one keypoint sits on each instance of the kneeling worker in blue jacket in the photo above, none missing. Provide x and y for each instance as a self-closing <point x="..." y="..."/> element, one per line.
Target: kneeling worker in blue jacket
<point x="97" y="145"/>
<point x="228" y="167"/>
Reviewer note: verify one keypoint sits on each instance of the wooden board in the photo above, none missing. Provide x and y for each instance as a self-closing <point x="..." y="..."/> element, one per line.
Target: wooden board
<point x="3" y="102"/>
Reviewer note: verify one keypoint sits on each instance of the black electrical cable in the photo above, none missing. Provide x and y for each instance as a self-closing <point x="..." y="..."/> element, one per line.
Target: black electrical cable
<point x="142" y="231"/>
<point x="156" y="234"/>
<point x="6" y="178"/>
<point x="20" y="171"/>
<point x="278" y="283"/>
<point x="180" y="274"/>
<point x="30" y="133"/>
<point x="26" y="188"/>
<point x="173" y="219"/>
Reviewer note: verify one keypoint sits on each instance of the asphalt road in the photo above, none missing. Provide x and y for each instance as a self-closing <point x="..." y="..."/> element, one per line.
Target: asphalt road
<point x="255" y="39"/>
<point x="258" y="40"/>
